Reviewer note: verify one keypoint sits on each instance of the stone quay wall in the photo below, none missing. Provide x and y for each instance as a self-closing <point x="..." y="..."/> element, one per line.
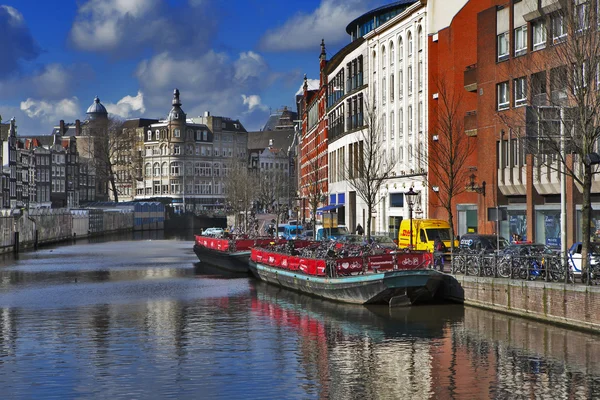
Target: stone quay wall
<point x="29" y="229"/>
<point x="576" y="306"/>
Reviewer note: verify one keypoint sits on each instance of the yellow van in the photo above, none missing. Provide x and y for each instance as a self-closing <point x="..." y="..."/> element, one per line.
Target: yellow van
<point x="424" y="232"/>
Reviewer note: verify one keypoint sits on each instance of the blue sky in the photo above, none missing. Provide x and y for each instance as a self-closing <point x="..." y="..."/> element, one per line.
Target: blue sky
<point x="233" y="58"/>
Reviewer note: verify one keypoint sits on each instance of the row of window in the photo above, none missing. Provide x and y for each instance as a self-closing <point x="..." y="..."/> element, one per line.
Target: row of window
<point x="582" y="17"/>
<point x="176" y="169"/>
<point x="392" y="122"/>
<point x="390" y="46"/>
<point x="175" y="187"/>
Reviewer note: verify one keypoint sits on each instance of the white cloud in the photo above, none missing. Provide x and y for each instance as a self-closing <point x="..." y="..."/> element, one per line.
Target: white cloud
<point x="51" y="111"/>
<point x="51" y="82"/>
<point x="305" y="31"/>
<point x="128" y="106"/>
<point x="126" y="27"/>
<point x="249" y="65"/>
<point x="254" y="102"/>
<point x="313" y="84"/>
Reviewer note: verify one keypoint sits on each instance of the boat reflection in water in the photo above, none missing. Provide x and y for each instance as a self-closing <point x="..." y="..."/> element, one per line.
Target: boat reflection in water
<point x="438" y="352"/>
<point x="357" y="351"/>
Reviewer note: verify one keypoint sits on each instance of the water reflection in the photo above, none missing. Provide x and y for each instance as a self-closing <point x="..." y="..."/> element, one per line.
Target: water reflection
<point x="143" y="319"/>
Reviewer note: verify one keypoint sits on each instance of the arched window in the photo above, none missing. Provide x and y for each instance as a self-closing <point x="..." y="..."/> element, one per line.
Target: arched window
<point x="410" y="44"/>
<point x="410" y="121"/>
<point x="383" y="127"/>
<point x="156" y="169"/>
<point x="149" y="135"/>
<point x="148" y="170"/>
<point x="383" y="91"/>
<point x="383" y="57"/>
<point x="410" y="83"/>
<point x="420" y="38"/>
<point x="400" y="49"/>
<point x="392" y="87"/>
<point x="157" y="134"/>
<point x="392" y="123"/>
<point x="401" y="154"/>
<point x="410" y="153"/>
<point x="392" y="54"/>
<point x="164" y="169"/>
<point x="374" y="62"/>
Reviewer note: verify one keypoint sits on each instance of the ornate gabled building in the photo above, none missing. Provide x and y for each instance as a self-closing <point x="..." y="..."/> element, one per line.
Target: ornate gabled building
<point x="185" y="159"/>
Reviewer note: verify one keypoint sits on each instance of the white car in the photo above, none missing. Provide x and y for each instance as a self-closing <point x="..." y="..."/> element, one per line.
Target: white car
<point x="575" y="257"/>
<point x="213" y="232"/>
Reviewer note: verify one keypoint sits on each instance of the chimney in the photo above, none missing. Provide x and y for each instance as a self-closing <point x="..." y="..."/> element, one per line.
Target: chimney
<point x="62" y="126"/>
<point x="77" y="127"/>
<point x="207" y="113"/>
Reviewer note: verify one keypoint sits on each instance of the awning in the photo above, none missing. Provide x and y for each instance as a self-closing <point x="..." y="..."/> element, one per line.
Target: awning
<point x="330" y="207"/>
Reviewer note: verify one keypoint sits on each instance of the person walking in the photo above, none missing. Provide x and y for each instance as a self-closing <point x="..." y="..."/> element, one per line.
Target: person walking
<point x="359" y="230"/>
<point x="438" y="254"/>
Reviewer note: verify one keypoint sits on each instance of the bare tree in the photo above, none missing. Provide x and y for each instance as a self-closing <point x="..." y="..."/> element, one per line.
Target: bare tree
<point x="366" y="169"/>
<point x="562" y="129"/>
<point x="240" y="187"/>
<point x="447" y="163"/>
<point x="313" y="185"/>
<point x="273" y="190"/>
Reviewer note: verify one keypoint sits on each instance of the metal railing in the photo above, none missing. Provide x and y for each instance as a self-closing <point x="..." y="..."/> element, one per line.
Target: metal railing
<point x="542" y="267"/>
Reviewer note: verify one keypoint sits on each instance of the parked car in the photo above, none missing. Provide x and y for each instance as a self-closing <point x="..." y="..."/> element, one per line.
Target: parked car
<point x="479" y="242"/>
<point x="575" y="260"/>
<point x="213" y="232"/>
<point x="307" y="235"/>
<point x="291" y="232"/>
<point x="330" y="233"/>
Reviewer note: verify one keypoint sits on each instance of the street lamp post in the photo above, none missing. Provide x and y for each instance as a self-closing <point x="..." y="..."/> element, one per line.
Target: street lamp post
<point x="410" y="196"/>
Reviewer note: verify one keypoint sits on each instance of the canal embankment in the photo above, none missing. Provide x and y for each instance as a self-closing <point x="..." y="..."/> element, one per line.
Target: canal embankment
<point x="23" y="229"/>
<point x="572" y="305"/>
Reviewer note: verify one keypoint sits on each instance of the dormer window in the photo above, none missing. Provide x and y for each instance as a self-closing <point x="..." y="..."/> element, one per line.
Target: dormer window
<point x="177" y="133"/>
<point x="157" y="134"/>
<point x="149" y="135"/>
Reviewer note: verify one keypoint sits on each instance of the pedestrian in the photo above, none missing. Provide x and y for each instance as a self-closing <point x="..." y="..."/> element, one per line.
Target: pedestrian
<point x="359" y="230"/>
<point x="438" y="254"/>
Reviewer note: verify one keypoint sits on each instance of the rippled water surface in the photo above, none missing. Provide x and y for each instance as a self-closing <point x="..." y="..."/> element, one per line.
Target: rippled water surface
<point x="142" y="319"/>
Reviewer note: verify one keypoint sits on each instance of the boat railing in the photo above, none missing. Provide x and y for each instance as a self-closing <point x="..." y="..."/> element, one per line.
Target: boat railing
<point x="333" y="267"/>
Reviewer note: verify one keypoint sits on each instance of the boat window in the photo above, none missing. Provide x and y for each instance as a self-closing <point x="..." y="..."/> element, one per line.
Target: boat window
<point x="422" y="235"/>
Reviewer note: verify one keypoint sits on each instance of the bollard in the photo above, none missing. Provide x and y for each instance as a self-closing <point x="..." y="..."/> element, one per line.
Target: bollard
<point x="16" y="247"/>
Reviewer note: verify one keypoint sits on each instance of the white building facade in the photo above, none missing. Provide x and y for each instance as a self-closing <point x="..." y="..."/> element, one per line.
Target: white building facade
<point x="398" y="79"/>
<point x="385" y="68"/>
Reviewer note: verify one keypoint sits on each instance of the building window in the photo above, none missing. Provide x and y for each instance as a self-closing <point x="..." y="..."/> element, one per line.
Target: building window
<point x="503" y="96"/>
<point x="392" y="87"/>
<point x="520" y="87"/>
<point x="582" y="13"/>
<point x="149" y="135"/>
<point x="559" y="28"/>
<point x="410" y="44"/>
<point x="156" y="169"/>
<point x="175" y="169"/>
<point x="521" y="40"/>
<point x="410" y="121"/>
<point x="400" y="124"/>
<point x="383" y="127"/>
<point x="539" y="34"/>
<point x="410" y="83"/>
<point x="400" y="74"/>
<point x="392" y="123"/>
<point x="383" y="57"/>
<point x="383" y="91"/>
<point x="177" y="133"/>
<point x="503" y="46"/>
<point x="177" y="149"/>
<point x="392" y="54"/>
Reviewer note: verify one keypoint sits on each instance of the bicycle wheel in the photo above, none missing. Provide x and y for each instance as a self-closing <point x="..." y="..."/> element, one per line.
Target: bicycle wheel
<point x="472" y="265"/>
<point x="504" y="268"/>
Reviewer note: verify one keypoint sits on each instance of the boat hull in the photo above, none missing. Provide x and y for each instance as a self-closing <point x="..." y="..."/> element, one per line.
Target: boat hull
<point x="397" y="287"/>
<point x="228" y="261"/>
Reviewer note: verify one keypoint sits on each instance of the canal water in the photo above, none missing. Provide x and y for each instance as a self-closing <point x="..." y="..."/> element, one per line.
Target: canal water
<point x="139" y="318"/>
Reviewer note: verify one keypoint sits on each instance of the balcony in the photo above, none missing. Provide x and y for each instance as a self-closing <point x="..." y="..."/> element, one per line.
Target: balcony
<point x="471" y="123"/>
<point x="471" y="78"/>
